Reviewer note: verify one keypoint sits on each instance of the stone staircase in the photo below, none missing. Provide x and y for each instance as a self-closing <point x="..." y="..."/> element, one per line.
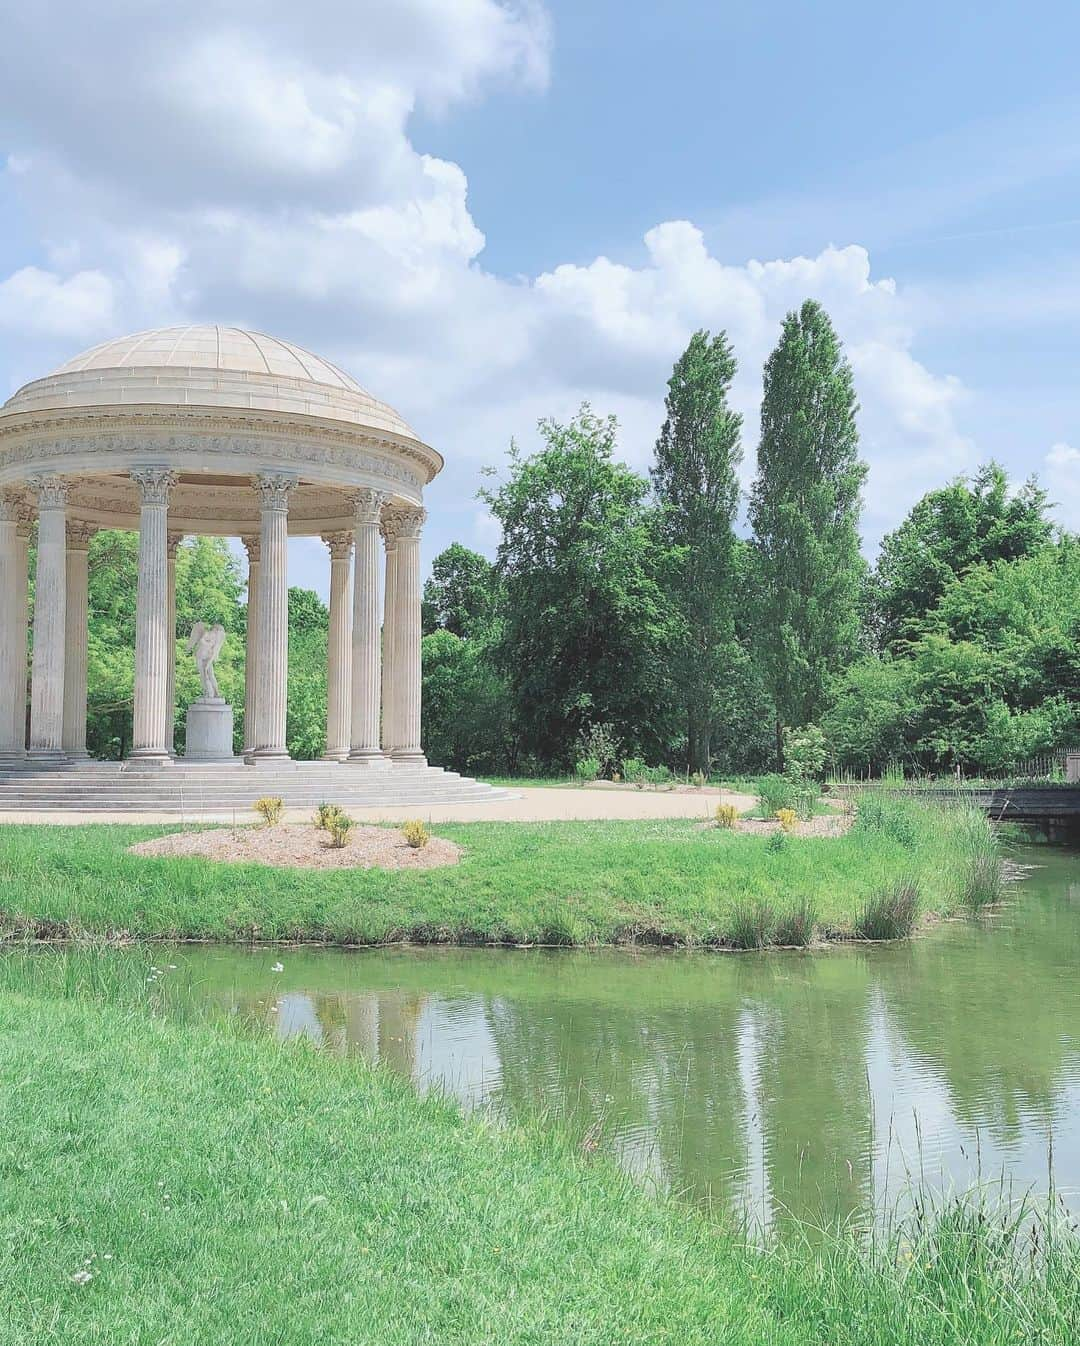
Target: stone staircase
<point x="230" y="790"/>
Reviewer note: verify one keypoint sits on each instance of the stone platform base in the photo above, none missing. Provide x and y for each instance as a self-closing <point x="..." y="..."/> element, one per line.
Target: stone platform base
<point x="229" y="789"/>
<point x="209" y="732"/>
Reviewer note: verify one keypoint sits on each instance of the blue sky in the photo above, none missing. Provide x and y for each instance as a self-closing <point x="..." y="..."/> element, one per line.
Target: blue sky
<point x="490" y="211"/>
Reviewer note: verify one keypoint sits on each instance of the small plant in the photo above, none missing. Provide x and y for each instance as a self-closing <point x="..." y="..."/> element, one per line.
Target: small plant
<point x="601" y="744"/>
<point x="796" y="928"/>
<point x="698" y="779"/>
<point x="416" y="834"/>
<point x="269" y="808"/>
<point x="727" y="815"/>
<point x="776" y="842"/>
<point x="340" y="828"/>
<point x="788" y="819"/>
<point x="752" y="925"/>
<point x="325" y="815"/>
<point x="891" y="913"/>
<point x="587" y="769"/>
<point x="635" y="770"/>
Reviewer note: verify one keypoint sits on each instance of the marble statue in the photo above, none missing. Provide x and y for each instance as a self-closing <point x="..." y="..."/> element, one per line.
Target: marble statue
<point x="205" y="644"/>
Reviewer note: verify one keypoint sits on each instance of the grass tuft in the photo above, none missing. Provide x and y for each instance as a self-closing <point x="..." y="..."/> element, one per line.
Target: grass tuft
<point x="890" y="913"/>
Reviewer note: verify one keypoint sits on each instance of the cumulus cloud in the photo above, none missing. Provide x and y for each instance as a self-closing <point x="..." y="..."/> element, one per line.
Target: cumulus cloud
<point x="1061" y="477"/>
<point x="210" y="163"/>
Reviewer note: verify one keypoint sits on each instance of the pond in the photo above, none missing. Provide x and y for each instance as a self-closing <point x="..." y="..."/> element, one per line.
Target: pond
<point x="813" y="1084"/>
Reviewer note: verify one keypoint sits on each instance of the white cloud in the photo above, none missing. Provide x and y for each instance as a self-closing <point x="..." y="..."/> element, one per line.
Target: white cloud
<point x="201" y="165"/>
<point x="1061" y="478"/>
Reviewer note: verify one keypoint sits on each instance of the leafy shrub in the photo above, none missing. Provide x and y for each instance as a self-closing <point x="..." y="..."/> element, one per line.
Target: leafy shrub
<point x="752" y="925"/>
<point x="891" y="913"/>
<point x="805" y="752"/>
<point x="325" y="815"/>
<point x="269" y="808"/>
<point x="635" y="770"/>
<point x="601" y="744"/>
<point x="727" y="815"/>
<point x="893" y="818"/>
<point x="587" y="769"/>
<point x="658" y="775"/>
<point x="787" y="818"/>
<point x="340" y="828"/>
<point x="698" y="779"/>
<point x="416" y="834"/>
<point x="781" y="792"/>
<point x="796" y="928"/>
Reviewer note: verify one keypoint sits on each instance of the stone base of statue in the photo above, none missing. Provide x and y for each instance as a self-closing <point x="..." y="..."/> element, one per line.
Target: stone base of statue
<point x="209" y="731"/>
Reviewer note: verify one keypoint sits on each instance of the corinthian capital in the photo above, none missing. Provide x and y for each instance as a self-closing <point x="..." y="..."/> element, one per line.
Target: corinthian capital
<point x="51" y="491"/>
<point x="11" y="507"/>
<point x="253" y="547"/>
<point x="154" y="484"/>
<point x="274" y="489"/>
<point x="340" y="545"/>
<point x="368" y="506"/>
<point x="403" y="524"/>
<point x="172" y="544"/>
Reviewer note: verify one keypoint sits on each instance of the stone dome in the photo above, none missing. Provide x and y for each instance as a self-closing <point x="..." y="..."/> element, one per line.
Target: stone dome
<point x="208" y="366"/>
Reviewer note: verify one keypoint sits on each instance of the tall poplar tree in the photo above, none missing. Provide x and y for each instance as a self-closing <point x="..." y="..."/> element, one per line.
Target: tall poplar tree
<point x="804" y="509"/>
<point x="696" y="486"/>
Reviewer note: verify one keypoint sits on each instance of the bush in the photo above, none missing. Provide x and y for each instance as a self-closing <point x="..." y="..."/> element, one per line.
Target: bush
<point x="269" y="808"/>
<point x="340" y="828"/>
<point x="753" y="924"/>
<point x="787" y="818"/>
<point x="698" y="779"/>
<point x="893" y="818"/>
<point x="325" y="815"/>
<point x="587" y="769"/>
<point x="805" y="752"/>
<point x="416" y="834"/>
<point x="781" y="792"/>
<point x="601" y="744"/>
<point x="776" y="842"/>
<point x="891" y="913"/>
<point x="796" y="928"/>
<point x="635" y="771"/>
<point x="727" y="815"/>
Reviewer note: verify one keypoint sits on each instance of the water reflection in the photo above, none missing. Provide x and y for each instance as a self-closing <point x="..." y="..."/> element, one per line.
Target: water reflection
<point x="805" y="1084"/>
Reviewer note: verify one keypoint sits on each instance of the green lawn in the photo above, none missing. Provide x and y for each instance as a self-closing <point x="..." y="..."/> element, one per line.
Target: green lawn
<point x="169" y="1182"/>
<point x="566" y="883"/>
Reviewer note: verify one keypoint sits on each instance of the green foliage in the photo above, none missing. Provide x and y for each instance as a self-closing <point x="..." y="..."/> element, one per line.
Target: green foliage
<point x="804" y="510"/>
<point x="890" y="913"/>
<point x="584" y="623"/>
<point x="805" y="753"/>
<point x="587" y="769"/>
<point x="694" y="478"/>
<point x="340" y="829"/>
<point x="948" y="533"/>
<point x="752" y="924"/>
<point x="305" y="723"/>
<point x="467" y="724"/>
<point x="776" y="793"/>
<point x="460" y="595"/>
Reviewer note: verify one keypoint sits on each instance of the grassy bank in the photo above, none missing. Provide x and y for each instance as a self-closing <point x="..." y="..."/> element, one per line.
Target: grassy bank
<point x="172" y="1182"/>
<point x="668" y="881"/>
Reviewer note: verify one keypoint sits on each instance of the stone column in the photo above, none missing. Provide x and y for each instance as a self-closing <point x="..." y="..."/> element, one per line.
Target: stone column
<point x="388" y="529"/>
<point x="152" y="643"/>
<point x="251" y="546"/>
<point x="366" y="654"/>
<point x="407" y="631"/>
<point x="174" y="540"/>
<point x="75" y="656"/>
<point x="22" y="623"/>
<point x="12" y="639"/>
<point x="50" y="619"/>
<point x="272" y="643"/>
<point x="339" y="649"/>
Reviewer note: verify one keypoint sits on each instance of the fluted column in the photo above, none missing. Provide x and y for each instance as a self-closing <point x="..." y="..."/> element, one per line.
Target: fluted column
<point x="75" y="655"/>
<point x="153" y="646"/>
<point x="251" y="546"/>
<point x="389" y="690"/>
<point x="339" y="649"/>
<point x="50" y="618"/>
<point x="407" y="631"/>
<point x="22" y="624"/>
<point x="272" y="657"/>
<point x="174" y="541"/>
<point x="366" y="652"/>
<point x="12" y="640"/>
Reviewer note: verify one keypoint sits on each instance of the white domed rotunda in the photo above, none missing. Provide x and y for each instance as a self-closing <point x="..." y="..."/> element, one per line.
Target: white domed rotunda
<point x="214" y="430"/>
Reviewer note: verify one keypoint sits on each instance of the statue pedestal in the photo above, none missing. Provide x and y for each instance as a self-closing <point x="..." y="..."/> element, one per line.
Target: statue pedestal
<point x="209" y="731"/>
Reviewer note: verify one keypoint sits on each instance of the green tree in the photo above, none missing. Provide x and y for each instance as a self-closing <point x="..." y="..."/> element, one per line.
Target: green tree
<point x="804" y="509"/>
<point x="950" y="530"/>
<point x="467" y="724"/>
<point x="305" y="725"/>
<point x="460" y="594"/>
<point x="584" y="623"/>
<point x="694" y="477"/>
